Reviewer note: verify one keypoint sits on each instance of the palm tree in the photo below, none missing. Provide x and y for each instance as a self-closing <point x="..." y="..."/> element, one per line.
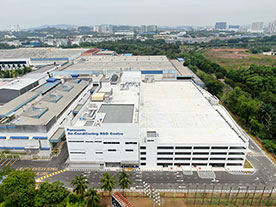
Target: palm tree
<point x="124" y="180"/>
<point x="93" y="198"/>
<point x="108" y="182"/>
<point x="79" y="184"/>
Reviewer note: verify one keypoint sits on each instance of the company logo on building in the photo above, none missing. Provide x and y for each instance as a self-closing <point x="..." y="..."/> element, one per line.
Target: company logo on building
<point x="84" y="132"/>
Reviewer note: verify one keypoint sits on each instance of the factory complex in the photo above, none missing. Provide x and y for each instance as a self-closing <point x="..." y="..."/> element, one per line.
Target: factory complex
<point x="123" y="111"/>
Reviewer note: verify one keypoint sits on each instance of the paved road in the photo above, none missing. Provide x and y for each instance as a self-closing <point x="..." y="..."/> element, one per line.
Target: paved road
<point x="265" y="174"/>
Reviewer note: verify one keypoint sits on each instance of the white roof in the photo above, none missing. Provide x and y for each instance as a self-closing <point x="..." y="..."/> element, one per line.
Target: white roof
<point x="131" y="76"/>
<point x="18" y="83"/>
<point x="180" y="114"/>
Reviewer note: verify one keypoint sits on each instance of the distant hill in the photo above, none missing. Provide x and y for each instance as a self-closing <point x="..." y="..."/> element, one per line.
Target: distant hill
<point x="57" y="26"/>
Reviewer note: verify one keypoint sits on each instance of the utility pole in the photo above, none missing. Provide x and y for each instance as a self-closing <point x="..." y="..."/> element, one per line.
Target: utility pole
<point x="237" y="196"/>
<point x="229" y="195"/>
<point x="268" y="199"/>
<point x="253" y="196"/>
<point x="203" y="194"/>
<point x="195" y="194"/>
<point x="220" y="195"/>
<point x="261" y="198"/>
<point x="212" y="194"/>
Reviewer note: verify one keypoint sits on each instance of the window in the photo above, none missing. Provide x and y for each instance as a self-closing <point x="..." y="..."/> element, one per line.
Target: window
<point x="89" y="141"/>
<point x="142" y="147"/>
<point x="217" y="158"/>
<point x="165" y="153"/>
<point x="143" y="153"/>
<point x="236" y="153"/>
<point x="129" y="150"/>
<point x="219" y="147"/>
<point x="150" y="140"/>
<point x="182" y="153"/>
<point x="77" y="152"/>
<point x="98" y="141"/>
<point x="201" y="147"/>
<point x="237" y="147"/>
<point x="131" y="143"/>
<point x="200" y="153"/>
<point x="235" y="159"/>
<point x="99" y="152"/>
<point x="111" y="142"/>
<point x="76" y="141"/>
<point x="234" y="164"/>
<point x="186" y="164"/>
<point x="111" y="150"/>
<point x="183" y="147"/>
<point x="200" y="158"/>
<point x="164" y="164"/>
<point x="180" y="158"/>
<point x="164" y="147"/>
<point x="143" y="158"/>
<point x="143" y="163"/>
<point x="218" y="153"/>
<point x="198" y="164"/>
<point x="164" y="158"/>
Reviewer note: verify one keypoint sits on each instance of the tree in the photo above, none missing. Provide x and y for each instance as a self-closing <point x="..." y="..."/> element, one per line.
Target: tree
<point x="75" y="200"/>
<point x="124" y="180"/>
<point x="270" y="145"/>
<point x="19" y="189"/>
<point x="79" y="184"/>
<point x="93" y="198"/>
<point x="5" y="171"/>
<point x="51" y="194"/>
<point x="108" y="182"/>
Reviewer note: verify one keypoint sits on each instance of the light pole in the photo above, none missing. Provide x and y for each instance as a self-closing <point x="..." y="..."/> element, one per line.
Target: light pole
<point x="152" y="193"/>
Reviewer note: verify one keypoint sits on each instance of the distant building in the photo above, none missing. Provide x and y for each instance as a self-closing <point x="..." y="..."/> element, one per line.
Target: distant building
<point x="272" y="28"/>
<point x="220" y="25"/>
<point x="257" y="27"/>
<point x="127" y="33"/>
<point x="233" y="27"/>
<point x="106" y="29"/>
<point x="148" y="28"/>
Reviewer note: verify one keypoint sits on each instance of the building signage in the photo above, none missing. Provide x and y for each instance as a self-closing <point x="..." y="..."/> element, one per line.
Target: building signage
<point x="84" y="132"/>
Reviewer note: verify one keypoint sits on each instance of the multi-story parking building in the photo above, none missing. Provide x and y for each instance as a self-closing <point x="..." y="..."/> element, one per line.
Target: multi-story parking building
<point x="151" y="123"/>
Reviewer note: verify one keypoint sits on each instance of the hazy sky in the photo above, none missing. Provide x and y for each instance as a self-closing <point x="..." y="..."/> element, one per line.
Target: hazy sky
<point x="30" y="13"/>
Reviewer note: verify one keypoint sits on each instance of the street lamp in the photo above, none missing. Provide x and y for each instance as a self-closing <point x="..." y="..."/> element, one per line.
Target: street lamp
<point x="152" y="193"/>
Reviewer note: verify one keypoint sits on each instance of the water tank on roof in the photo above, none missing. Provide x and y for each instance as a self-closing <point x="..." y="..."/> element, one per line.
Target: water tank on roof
<point x="114" y="78"/>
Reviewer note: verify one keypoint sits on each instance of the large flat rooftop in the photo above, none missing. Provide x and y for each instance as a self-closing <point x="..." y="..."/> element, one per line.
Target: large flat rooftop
<point x="117" y="63"/>
<point x="39" y="53"/>
<point x="179" y="113"/>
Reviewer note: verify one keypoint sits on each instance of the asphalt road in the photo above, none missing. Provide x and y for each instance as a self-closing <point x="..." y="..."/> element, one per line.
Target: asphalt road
<point x="265" y="174"/>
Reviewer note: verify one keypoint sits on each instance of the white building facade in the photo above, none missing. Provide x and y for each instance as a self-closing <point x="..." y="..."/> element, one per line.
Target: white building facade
<point x="154" y="124"/>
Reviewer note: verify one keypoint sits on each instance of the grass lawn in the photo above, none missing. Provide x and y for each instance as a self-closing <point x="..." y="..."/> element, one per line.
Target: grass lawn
<point x="237" y="58"/>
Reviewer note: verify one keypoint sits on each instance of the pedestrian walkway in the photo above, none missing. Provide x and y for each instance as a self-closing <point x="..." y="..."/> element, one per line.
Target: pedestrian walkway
<point x="50" y="175"/>
<point x="7" y="162"/>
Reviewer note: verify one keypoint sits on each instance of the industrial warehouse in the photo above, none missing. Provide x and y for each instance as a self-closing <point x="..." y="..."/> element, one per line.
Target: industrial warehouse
<point x="118" y="111"/>
<point x="147" y="123"/>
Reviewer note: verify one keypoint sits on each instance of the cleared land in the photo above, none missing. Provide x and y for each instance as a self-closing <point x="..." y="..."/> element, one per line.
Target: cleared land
<point x="236" y="58"/>
<point x="200" y="199"/>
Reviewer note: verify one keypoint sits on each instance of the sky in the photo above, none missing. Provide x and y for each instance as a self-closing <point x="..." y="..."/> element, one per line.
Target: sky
<point x="32" y="13"/>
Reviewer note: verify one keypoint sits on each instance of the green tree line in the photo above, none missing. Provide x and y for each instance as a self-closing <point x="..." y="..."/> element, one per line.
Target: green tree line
<point x="14" y="72"/>
<point x="253" y="97"/>
<point x="18" y="188"/>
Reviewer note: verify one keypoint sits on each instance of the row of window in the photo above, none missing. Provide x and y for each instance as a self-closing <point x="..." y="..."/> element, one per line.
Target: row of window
<point x="196" y="153"/>
<point x="163" y="147"/>
<point x="196" y="164"/>
<point x="194" y="158"/>
<point x="81" y="141"/>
